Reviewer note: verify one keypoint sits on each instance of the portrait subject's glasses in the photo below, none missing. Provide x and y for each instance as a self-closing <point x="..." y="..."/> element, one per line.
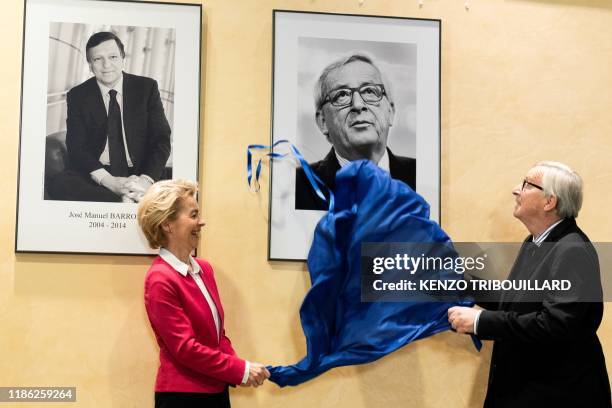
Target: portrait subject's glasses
<point x="344" y="96"/>
<point x="525" y="182"/>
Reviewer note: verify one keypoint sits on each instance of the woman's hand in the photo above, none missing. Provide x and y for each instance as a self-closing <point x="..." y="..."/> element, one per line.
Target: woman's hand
<point x="258" y="373"/>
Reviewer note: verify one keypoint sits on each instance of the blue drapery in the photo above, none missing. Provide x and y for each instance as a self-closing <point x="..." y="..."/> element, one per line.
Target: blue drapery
<point x="339" y="328"/>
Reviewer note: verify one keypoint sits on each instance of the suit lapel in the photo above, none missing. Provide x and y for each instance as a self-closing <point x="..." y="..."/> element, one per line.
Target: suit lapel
<point x="328" y="169"/>
<point x="531" y="256"/>
<point x="520" y="263"/>
<point x="525" y="267"/>
<point x="95" y="103"/>
<point x="393" y="164"/>
<point x="128" y="98"/>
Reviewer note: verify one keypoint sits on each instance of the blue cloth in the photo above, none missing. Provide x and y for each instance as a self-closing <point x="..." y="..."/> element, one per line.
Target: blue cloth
<point x="339" y="328"/>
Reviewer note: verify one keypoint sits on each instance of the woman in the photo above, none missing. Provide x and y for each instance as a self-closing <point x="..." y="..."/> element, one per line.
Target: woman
<point x="197" y="361"/>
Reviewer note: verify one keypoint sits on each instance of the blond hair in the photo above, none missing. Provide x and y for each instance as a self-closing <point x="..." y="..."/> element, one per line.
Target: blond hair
<point x="160" y="204"/>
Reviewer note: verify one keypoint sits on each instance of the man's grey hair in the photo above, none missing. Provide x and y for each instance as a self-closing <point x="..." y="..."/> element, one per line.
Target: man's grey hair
<point x="564" y="183"/>
<point x="320" y="91"/>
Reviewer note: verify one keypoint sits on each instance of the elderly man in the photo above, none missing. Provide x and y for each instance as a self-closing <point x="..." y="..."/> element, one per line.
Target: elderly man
<point x="118" y="138"/>
<point x="546" y="352"/>
<point x="354" y="110"/>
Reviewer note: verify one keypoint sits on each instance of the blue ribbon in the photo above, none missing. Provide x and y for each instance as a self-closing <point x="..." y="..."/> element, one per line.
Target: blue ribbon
<point x="315" y="182"/>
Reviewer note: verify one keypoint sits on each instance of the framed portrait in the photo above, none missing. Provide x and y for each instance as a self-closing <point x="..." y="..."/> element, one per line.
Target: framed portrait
<point x="104" y="115"/>
<point x="349" y="87"/>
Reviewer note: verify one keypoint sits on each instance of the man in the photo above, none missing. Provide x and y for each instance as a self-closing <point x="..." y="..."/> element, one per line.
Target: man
<point x="118" y="138"/>
<point x="546" y="351"/>
<point x="354" y="110"/>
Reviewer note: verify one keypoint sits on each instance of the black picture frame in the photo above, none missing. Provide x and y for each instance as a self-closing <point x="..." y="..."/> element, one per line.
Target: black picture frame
<point x="407" y="51"/>
<point x="160" y="39"/>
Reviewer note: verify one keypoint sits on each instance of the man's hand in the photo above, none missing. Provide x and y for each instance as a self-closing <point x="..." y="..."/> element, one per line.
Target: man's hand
<point x="115" y="184"/>
<point x="140" y="184"/>
<point x="137" y="187"/>
<point x="258" y="373"/>
<point x="462" y="318"/>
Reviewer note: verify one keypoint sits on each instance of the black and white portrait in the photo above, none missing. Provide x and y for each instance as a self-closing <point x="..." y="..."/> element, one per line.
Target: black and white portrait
<point x="356" y="100"/>
<point x="110" y="104"/>
<point x="350" y="87"/>
<point x="109" y="112"/>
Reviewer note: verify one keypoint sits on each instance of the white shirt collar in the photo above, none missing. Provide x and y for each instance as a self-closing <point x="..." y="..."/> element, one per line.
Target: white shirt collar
<point x="177" y="264"/>
<point x="540" y="238"/>
<point x="383" y="163"/>
<point x="118" y="87"/>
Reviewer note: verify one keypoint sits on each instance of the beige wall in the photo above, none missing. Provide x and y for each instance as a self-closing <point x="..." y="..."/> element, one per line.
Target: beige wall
<point x="521" y="81"/>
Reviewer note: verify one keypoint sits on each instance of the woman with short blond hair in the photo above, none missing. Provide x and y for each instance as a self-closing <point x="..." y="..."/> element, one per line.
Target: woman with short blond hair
<point x="197" y="361"/>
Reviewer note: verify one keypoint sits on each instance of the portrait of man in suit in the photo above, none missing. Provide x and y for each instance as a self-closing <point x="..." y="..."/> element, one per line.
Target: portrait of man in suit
<point x="354" y="110"/>
<point x="117" y="134"/>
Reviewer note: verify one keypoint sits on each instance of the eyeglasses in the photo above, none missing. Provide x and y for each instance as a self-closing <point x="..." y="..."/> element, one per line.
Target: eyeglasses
<point x="342" y="97"/>
<point x="525" y="182"/>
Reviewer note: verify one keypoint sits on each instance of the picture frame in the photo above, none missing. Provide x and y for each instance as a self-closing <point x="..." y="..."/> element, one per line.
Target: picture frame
<point x="406" y="54"/>
<point x="78" y="190"/>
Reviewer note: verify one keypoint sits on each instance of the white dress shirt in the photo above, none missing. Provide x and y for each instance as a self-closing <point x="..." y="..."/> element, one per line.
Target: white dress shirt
<point x="383" y="163"/>
<point x="194" y="271"/>
<point x="540" y="238"/>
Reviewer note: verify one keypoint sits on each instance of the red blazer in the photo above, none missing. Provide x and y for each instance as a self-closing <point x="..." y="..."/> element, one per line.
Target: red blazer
<point x="191" y="357"/>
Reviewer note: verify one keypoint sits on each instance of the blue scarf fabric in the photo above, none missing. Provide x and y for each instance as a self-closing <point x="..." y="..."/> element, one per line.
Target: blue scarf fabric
<point x="339" y="328"/>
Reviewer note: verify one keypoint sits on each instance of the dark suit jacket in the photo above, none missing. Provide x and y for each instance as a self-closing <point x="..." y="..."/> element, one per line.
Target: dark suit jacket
<point x="547" y="353"/>
<point x="147" y="132"/>
<point x="401" y="168"/>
